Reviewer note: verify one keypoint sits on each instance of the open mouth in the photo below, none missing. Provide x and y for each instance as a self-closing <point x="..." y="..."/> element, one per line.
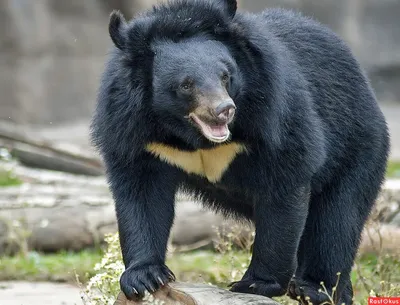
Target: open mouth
<point x="216" y="133"/>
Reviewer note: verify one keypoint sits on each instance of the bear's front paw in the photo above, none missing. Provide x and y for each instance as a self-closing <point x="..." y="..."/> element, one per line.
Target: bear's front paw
<point x="135" y="281"/>
<point x="257" y="286"/>
<point x="307" y="292"/>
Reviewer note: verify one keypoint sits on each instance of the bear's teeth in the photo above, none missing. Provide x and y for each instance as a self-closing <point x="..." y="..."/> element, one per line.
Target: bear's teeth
<point x="215" y="133"/>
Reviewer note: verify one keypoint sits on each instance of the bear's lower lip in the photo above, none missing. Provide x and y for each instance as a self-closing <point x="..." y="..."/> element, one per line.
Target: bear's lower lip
<point x="215" y="133"/>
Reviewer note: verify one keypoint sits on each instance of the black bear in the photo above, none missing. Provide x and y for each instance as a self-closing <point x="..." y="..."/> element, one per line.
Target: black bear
<point x="266" y="117"/>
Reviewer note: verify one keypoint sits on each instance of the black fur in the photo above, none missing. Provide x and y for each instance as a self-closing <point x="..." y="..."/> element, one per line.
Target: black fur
<point x="115" y="28"/>
<point x="317" y="140"/>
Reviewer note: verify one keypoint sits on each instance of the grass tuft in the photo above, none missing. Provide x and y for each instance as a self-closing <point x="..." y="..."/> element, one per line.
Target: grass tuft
<point x="58" y="267"/>
<point x="393" y="169"/>
<point x="7" y="178"/>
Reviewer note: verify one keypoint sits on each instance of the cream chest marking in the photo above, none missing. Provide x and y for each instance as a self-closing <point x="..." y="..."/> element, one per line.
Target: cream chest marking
<point x="209" y="163"/>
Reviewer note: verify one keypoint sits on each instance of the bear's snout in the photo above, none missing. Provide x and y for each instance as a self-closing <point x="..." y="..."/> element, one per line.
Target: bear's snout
<point x="212" y="118"/>
<point x="225" y="111"/>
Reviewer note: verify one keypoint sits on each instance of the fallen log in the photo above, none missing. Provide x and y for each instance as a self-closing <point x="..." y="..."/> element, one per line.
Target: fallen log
<point x="33" y="151"/>
<point x="76" y="215"/>
<point x="197" y="294"/>
<point x="49" y="177"/>
<point x="63" y="211"/>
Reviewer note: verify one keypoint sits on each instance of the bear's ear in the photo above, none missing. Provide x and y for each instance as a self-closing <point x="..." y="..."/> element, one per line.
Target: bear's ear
<point x="115" y="26"/>
<point x="230" y="7"/>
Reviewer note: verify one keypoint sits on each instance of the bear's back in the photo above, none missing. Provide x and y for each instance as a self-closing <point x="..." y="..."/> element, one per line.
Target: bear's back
<point x="340" y="91"/>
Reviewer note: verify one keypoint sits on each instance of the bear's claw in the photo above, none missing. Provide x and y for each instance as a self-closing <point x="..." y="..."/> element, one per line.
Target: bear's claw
<point x="136" y="281"/>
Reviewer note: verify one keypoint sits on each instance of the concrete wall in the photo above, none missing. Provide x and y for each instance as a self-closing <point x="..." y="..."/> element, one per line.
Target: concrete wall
<point x="371" y="27"/>
<point x="51" y="56"/>
<point x="52" y="51"/>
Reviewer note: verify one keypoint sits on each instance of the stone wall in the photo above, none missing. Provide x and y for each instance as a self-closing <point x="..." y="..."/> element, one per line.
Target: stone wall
<point x="371" y="27"/>
<point x="52" y="51"/>
<point x="51" y="56"/>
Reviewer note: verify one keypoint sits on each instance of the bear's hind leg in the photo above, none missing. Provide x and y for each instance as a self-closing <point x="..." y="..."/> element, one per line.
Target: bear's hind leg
<point x="332" y="234"/>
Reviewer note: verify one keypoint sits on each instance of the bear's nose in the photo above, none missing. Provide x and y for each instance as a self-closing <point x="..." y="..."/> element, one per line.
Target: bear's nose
<point x="225" y="111"/>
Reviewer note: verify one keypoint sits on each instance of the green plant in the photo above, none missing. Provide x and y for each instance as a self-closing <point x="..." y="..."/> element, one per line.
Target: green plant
<point x="393" y="169"/>
<point x="7" y="176"/>
<point x="103" y="287"/>
<point x="62" y="266"/>
<point x="229" y="244"/>
<point x="17" y="236"/>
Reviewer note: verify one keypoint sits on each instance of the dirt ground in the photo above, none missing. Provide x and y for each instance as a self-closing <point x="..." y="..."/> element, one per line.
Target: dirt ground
<point x="24" y="293"/>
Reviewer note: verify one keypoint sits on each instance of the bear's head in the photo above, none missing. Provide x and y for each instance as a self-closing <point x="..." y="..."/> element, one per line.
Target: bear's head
<point x="194" y="81"/>
<point x="194" y="77"/>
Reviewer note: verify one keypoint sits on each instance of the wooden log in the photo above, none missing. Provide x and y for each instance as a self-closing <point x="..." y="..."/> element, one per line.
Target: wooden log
<point x="63" y="211"/>
<point x="34" y="151"/>
<point x="197" y="294"/>
<point x="49" y="158"/>
<point x="66" y="211"/>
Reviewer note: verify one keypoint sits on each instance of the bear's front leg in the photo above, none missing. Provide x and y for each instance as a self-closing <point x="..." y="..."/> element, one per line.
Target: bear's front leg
<point x="279" y="221"/>
<point x="144" y="192"/>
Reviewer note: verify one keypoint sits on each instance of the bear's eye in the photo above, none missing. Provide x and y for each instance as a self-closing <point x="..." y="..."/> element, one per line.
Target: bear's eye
<point x="186" y="86"/>
<point x="225" y="78"/>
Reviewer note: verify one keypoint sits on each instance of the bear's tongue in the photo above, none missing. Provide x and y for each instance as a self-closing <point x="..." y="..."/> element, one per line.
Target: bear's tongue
<point x="219" y="131"/>
<point x="215" y="133"/>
